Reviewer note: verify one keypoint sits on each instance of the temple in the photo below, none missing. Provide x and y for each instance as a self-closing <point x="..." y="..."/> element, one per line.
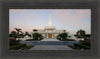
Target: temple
<point x="49" y="31"/>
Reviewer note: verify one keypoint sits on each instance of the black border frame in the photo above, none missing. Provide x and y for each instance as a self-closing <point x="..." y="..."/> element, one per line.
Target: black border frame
<point x="4" y="25"/>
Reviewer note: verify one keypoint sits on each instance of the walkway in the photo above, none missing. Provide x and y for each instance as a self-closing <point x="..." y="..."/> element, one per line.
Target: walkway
<point x="49" y="40"/>
<point x="51" y="47"/>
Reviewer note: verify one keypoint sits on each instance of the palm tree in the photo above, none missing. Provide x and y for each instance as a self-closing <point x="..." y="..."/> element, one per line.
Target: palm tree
<point x="22" y="34"/>
<point x="18" y="31"/>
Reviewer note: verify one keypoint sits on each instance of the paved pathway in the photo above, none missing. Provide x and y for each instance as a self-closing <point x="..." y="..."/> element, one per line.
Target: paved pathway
<point x="51" y="47"/>
<point x="49" y="40"/>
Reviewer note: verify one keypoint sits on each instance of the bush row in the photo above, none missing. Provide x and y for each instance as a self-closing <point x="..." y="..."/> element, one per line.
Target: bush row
<point x="32" y="40"/>
<point x="14" y="42"/>
<point x="66" y="39"/>
<point x="18" y="46"/>
<point x="22" y="46"/>
<point x="80" y="46"/>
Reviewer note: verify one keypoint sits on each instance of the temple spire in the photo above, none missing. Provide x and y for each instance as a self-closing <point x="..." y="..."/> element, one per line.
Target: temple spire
<point x="49" y="23"/>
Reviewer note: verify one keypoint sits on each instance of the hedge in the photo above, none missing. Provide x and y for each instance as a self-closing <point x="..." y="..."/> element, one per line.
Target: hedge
<point x="78" y="45"/>
<point x="18" y="46"/>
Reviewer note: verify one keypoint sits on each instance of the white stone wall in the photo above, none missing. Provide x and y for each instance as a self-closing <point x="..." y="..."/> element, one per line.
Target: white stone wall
<point x="49" y="30"/>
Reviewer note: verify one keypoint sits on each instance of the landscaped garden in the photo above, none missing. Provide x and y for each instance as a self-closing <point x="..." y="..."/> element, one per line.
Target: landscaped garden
<point x="64" y="37"/>
<point x="84" y="44"/>
<point x="36" y="37"/>
<point x="15" y="45"/>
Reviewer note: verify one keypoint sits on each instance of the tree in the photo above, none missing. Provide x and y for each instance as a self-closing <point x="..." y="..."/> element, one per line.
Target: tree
<point x="13" y="34"/>
<point x="62" y="36"/>
<point x="37" y="36"/>
<point x="87" y="36"/>
<point x="26" y="33"/>
<point x="21" y="35"/>
<point x="80" y="34"/>
<point x="34" y="30"/>
<point x="69" y="36"/>
<point x="18" y="31"/>
<point x="64" y="31"/>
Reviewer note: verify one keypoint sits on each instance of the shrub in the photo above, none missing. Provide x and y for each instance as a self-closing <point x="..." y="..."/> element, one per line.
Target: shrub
<point x="27" y="47"/>
<point x="78" y="45"/>
<point x="22" y="44"/>
<point x="62" y="36"/>
<point x="86" y="42"/>
<point x="32" y="40"/>
<point x="15" y="45"/>
<point x="66" y="39"/>
<point x="37" y="36"/>
<point x="18" y="46"/>
<point x="70" y="46"/>
<point x="29" y="40"/>
<point x="14" y="42"/>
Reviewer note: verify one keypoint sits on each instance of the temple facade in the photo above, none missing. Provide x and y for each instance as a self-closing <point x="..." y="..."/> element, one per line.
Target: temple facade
<point x="49" y="31"/>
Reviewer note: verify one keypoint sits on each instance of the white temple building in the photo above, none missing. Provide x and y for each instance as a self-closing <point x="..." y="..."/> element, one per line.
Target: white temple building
<point x="49" y="31"/>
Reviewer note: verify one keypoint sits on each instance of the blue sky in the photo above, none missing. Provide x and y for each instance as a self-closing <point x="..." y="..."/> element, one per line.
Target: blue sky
<point x="71" y="20"/>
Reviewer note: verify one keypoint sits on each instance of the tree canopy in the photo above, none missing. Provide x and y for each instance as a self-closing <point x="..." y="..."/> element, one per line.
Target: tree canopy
<point x="62" y="36"/>
<point x="80" y="33"/>
<point x="37" y="36"/>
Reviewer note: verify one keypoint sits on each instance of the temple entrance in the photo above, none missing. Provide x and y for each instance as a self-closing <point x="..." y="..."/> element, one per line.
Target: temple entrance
<point x="49" y="35"/>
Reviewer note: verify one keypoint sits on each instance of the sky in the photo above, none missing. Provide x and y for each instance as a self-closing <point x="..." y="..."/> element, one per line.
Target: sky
<point x="71" y="20"/>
